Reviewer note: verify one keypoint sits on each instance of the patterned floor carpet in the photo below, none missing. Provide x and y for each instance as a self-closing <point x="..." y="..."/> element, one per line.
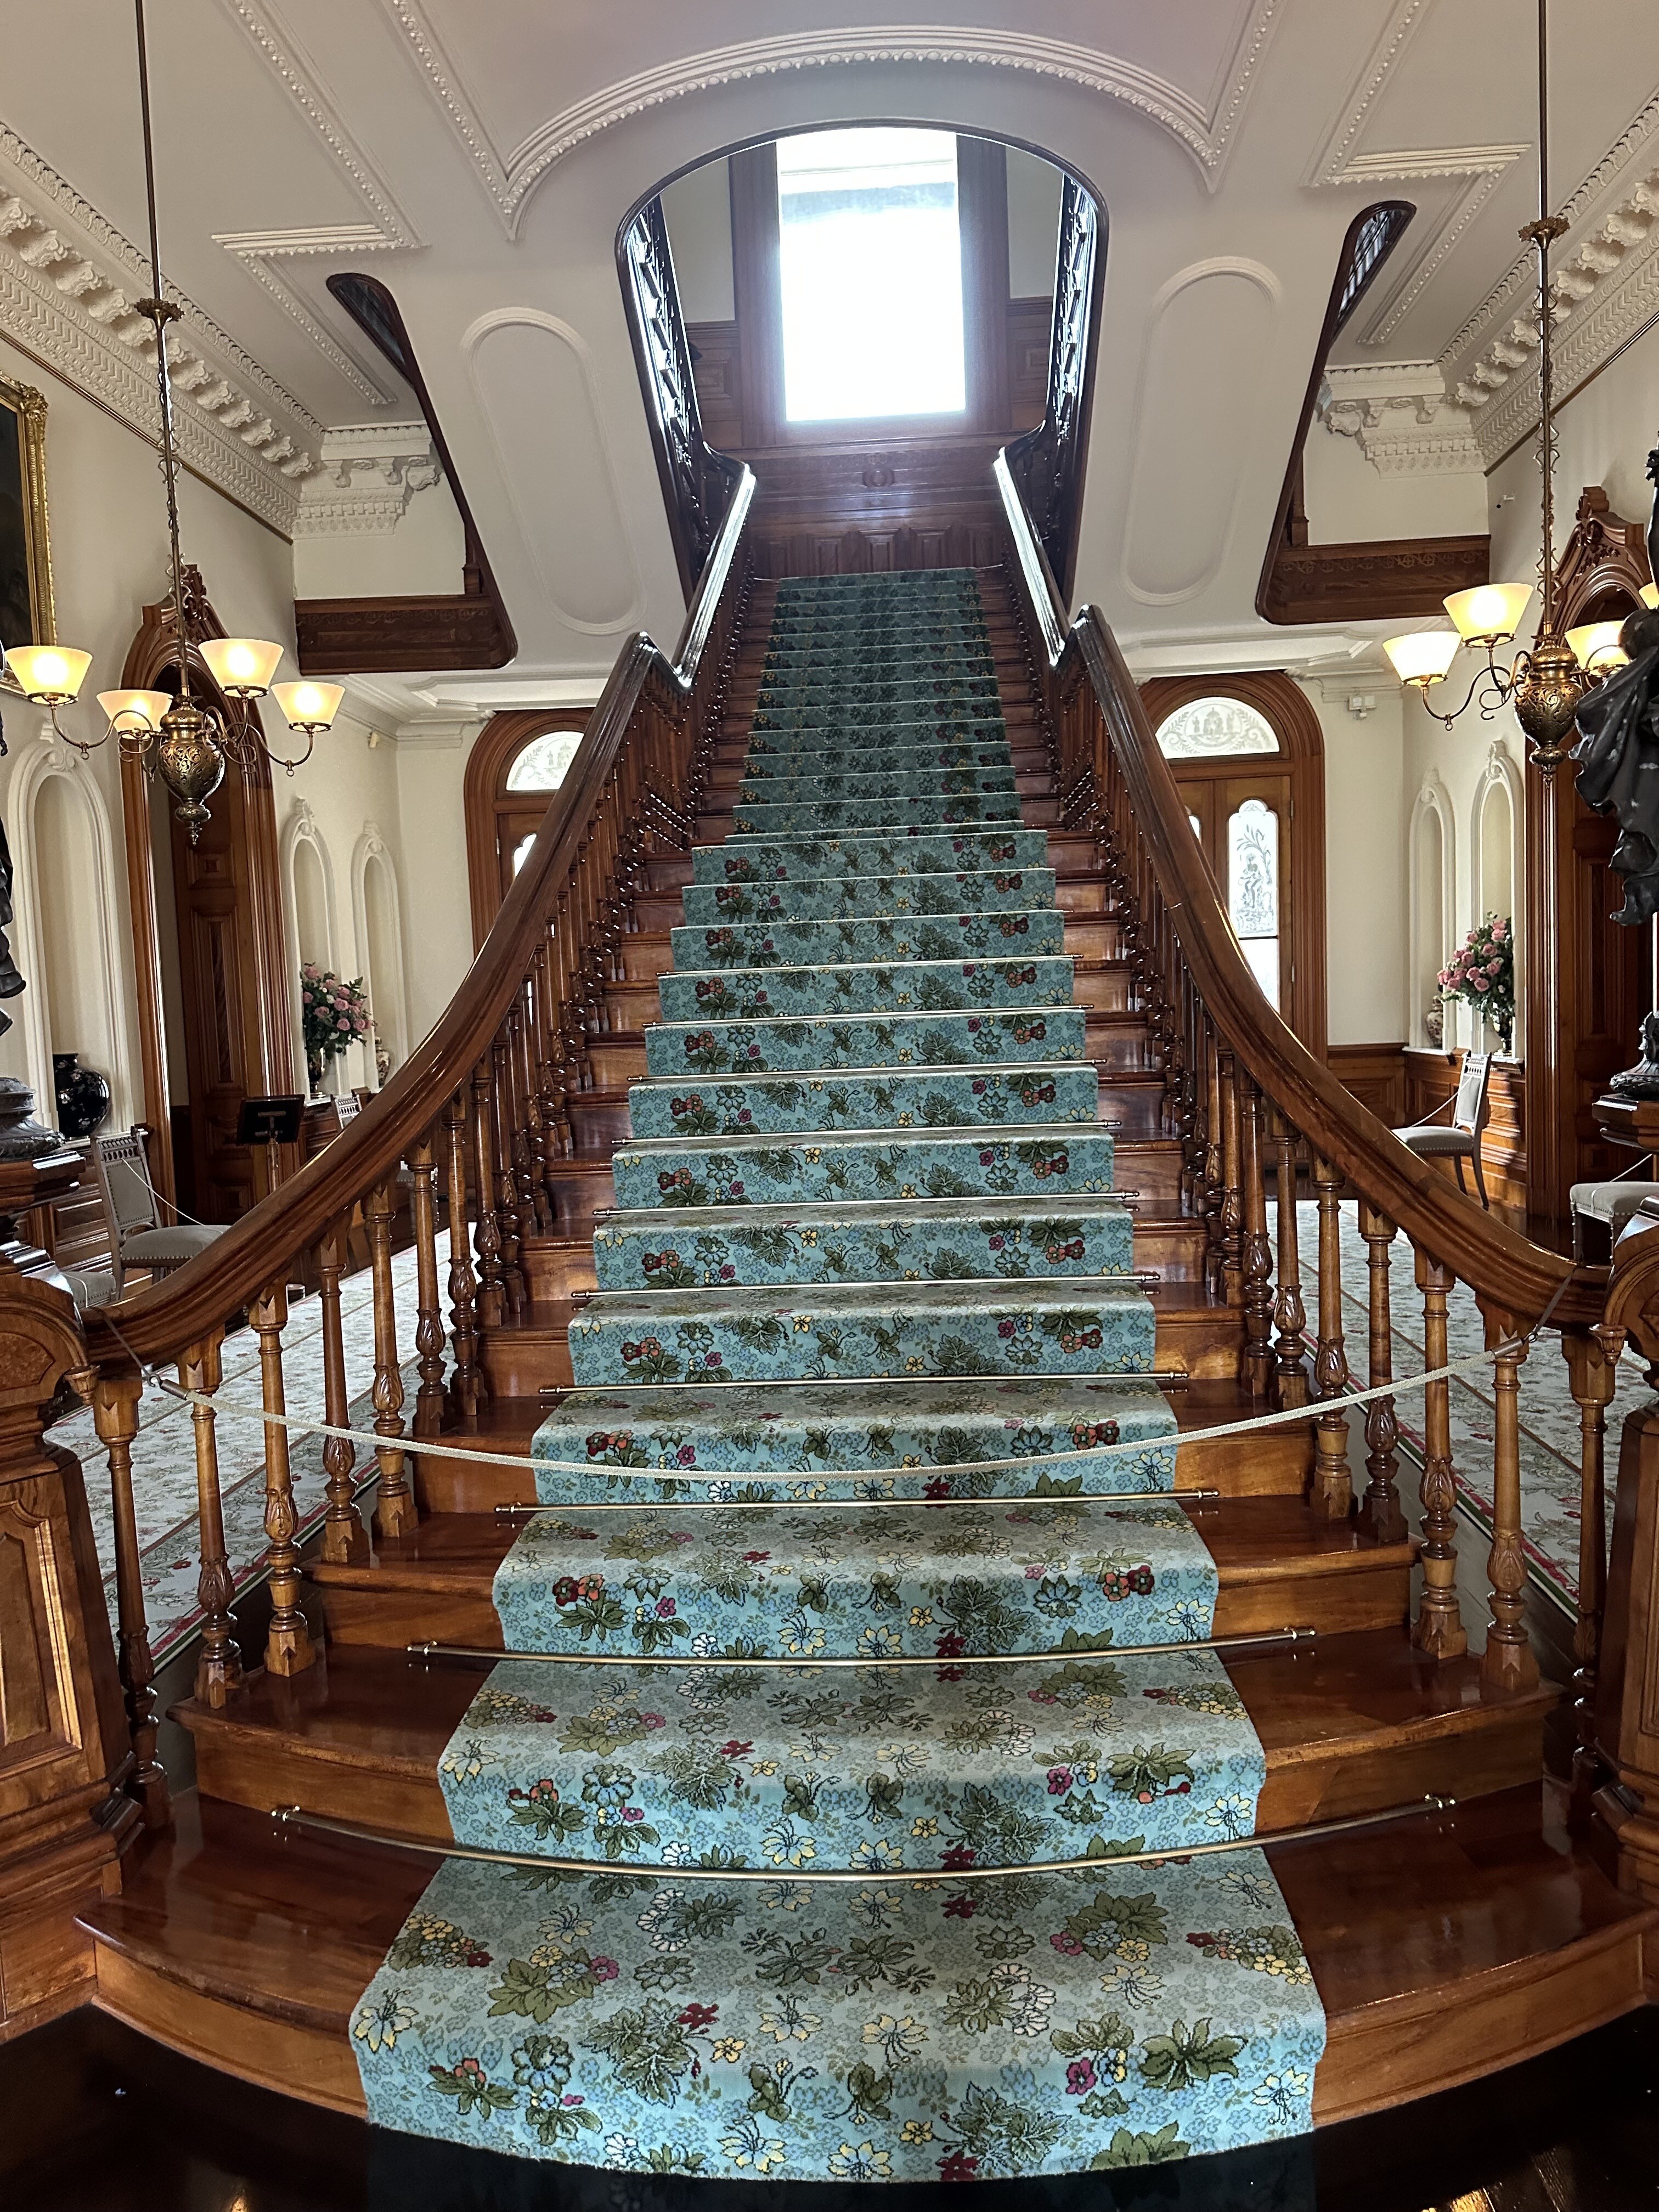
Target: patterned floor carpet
<point x="867" y="1253"/>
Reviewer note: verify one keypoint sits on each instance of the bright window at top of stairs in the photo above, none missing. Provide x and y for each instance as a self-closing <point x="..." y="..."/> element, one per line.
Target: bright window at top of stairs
<point x="871" y="275"/>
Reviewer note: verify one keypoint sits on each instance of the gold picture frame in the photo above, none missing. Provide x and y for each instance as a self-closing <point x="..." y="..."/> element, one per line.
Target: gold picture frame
<point x="25" y="536"/>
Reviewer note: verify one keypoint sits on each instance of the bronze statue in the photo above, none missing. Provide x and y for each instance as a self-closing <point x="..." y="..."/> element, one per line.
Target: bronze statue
<point x="1617" y="750"/>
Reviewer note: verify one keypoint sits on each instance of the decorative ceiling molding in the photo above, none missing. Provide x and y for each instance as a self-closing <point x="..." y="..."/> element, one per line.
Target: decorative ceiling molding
<point x="1338" y="163"/>
<point x="282" y="55"/>
<point x="367" y="477"/>
<point x="1401" y="418"/>
<point x="68" y="284"/>
<point x="511" y="179"/>
<point x="258" y="252"/>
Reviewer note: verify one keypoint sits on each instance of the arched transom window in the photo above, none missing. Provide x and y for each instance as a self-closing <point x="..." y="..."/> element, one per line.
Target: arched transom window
<point x="1248" y="761"/>
<point x="519" y="762"/>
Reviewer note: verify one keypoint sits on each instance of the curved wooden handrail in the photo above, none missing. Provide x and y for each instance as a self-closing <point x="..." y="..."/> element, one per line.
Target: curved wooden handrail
<point x="1502" y="1266"/>
<point x="171" y="1315"/>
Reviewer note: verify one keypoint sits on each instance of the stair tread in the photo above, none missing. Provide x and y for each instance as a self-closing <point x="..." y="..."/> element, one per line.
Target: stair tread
<point x="1249" y="1539"/>
<point x="1024" y="1132"/>
<point x="1359" y="1691"/>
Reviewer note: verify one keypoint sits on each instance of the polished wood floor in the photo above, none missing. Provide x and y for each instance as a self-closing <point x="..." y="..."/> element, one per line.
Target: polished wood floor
<point x="93" y="2118"/>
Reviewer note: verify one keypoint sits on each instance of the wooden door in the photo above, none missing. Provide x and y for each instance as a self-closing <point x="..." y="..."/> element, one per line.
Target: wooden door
<point x="1244" y="825"/>
<point x="223" y="1054"/>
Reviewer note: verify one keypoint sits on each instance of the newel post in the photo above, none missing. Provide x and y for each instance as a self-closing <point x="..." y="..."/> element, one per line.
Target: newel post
<point x="1625" y="1807"/>
<point x="65" y="1759"/>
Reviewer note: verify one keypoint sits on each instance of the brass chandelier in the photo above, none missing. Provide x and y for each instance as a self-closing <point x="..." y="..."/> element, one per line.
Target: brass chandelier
<point x="184" y="741"/>
<point x="1545" y="682"/>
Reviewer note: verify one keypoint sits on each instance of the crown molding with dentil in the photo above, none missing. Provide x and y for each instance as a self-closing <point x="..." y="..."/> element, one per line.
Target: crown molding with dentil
<point x="509" y="179"/>
<point x="69" y="285"/>
<point x="1401" y="418"/>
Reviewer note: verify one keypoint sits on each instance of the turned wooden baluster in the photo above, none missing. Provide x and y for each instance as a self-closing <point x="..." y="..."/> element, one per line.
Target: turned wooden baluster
<point x="1380" y="1510"/>
<point x="1508" y="1663"/>
<point x="345" y="1540"/>
<point x="1290" y="1315"/>
<point x="219" y="1668"/>
<point x="1439" y="1629"/>
<point x="1592" y="1357"/>
<point x="115" y="1416"/>
<point x="288" y="1648"/>
<point x="492" y="1303"/>
<point x="465" y="1381"/>
<point x="1332" y="1484"/>
<point x="428" y="1323"/>
<point x="395" y="1512"/>
<point x="1257" y="1252"/>
<point x="507" y="1196"/>
<point x="527" y="1130"/>
<point x="1232" y="1196"/>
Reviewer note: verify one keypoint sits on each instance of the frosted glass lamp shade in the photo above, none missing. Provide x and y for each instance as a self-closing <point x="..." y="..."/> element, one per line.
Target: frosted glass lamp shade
<point x="48" y="674"/>
<point x="128" y="713"/>
<point x="1489" y="613"/>
<point x="1423" y="656"/>
<point x="307" y="706"/>
<point x="242" y="667"/>
<point x="1650" y="595"/>
<point x="1596" y="648"/>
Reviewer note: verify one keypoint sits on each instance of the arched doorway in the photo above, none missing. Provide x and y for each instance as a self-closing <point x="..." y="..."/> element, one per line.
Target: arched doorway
<point x="1249" y="756"/>
<point x="519" y="760"/>
<point x="213" y="1021"/>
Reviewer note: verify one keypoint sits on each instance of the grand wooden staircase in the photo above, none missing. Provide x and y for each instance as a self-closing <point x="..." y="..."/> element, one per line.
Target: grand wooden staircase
<point x="1499" y="1912"/>
<point x="1466" y="1934"/>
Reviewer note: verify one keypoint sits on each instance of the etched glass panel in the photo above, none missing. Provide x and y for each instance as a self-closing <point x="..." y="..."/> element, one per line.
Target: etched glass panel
<point x="1253" y="888"/>
<point x="541" y="764"/>
<point x="521" y="851"/>
<point x="1206" y="728"/>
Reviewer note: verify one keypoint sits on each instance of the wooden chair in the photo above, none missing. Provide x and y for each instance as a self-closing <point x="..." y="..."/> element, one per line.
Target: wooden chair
<point x="1459" y="1139"/>
<point x="138" y="1236"/>
<point x="1601" y="1210"/>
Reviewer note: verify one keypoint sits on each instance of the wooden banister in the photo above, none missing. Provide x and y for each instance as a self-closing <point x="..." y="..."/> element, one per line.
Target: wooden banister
<point x="646" y="701"/>
<point x="1086" y="679"/>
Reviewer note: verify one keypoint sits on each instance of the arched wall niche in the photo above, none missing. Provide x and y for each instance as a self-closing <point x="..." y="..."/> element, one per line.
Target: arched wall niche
<point x="1498" y="869"/>
<point x="1431" y="868"/>
<point x="67" y="941"/>
<point x="376" y="911"/>
<point x="308" y="917"/>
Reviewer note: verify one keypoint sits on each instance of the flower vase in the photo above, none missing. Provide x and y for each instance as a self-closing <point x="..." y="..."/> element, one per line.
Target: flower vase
<point x="314" y="1072"/>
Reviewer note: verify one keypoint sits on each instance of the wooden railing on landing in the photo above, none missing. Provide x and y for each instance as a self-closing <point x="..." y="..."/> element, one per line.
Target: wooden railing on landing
<point x="479" y="1106"/>
<point x="1246" y="1100"/>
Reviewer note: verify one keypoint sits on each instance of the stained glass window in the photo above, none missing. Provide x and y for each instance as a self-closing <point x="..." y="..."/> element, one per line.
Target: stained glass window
<point x="1253" y="888"/>
<point x="1206" y="727"/>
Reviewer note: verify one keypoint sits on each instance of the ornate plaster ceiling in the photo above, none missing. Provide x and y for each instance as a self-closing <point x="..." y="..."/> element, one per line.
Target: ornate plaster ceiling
<point x="478" y="159"/>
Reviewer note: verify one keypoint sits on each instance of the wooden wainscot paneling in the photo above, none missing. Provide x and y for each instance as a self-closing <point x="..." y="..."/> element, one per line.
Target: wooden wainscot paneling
<point x="1029" y="322"/>
<point x="1431" y="1080"/>
<point x="1375" y="1073"/>
<point x="64" y="1756"/>
<point x="714" y="368"/>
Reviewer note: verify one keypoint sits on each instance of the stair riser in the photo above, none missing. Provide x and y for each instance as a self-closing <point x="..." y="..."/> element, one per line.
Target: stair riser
<point x="521" y="1363"/>
<point x="754" y="948"/>
<point x="686" y="1053"/>
<point x="939" y="853"/>
<point x="1012" y="890"/>
<point x="1135" y="1109"/>
<point x="811" y="817"/>
<point x="1018" y="1329"/>
<point x="786" y="786"/>
<point x="1047" y="1166"/>
<point x="940" y="1098"/>
<point x="944" y="986"/>
<point x="1205" y="1343"/>
<point x="885" y="1250"/>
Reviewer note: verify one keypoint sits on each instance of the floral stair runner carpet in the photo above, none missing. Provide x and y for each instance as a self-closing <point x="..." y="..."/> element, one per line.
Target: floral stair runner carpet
<point x="865" y="1251"/>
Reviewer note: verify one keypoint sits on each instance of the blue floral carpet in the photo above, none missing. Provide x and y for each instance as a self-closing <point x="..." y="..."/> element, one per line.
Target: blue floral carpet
<point x="866" y="1380"/>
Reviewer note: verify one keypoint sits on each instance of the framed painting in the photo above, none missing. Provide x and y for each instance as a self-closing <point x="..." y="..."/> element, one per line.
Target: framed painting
<point x="26" y="608"/>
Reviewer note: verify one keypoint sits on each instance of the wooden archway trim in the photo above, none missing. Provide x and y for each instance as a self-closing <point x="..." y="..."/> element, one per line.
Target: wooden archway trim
<point x="502" y="738"/>
<point x="268" y="1045"/>
<point x="1604" y="560"/>
<point x="1286" y="705"/>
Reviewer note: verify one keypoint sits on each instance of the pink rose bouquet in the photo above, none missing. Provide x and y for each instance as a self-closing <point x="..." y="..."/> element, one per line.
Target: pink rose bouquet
<point x="1482" y="971"/>
<point x="333" y="1015"/>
